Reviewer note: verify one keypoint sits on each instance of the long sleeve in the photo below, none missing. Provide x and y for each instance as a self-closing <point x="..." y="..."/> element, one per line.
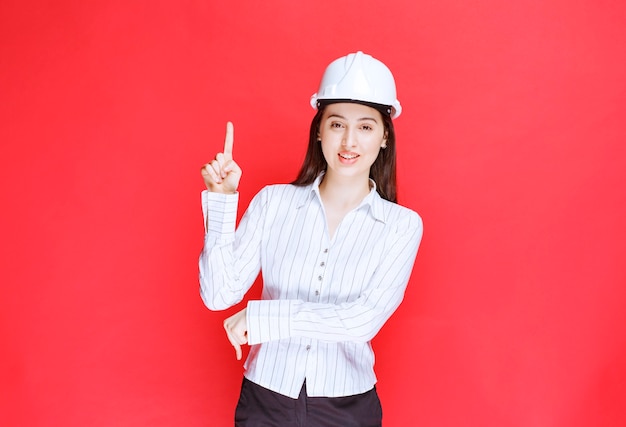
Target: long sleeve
<point x="230" y="260"/>
<point x="358" y="320"/>
<point x="323" y="298"/>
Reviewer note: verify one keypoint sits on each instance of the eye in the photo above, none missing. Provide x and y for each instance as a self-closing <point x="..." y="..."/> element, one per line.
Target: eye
<point x="336" y="125"/>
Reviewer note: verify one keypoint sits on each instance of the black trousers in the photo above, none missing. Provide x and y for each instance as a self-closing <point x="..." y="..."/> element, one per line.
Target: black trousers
<point x="260" y="407"/>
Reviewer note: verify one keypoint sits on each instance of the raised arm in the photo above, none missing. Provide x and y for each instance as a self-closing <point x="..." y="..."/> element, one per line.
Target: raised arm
<point x="230" y="259"/>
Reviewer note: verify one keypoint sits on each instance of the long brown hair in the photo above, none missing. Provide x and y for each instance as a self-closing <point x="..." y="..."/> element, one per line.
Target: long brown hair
<point x="382" y="171"/>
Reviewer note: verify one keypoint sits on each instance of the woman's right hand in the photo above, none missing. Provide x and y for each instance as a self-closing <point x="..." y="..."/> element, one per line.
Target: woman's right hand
<point x="222" y="174"/>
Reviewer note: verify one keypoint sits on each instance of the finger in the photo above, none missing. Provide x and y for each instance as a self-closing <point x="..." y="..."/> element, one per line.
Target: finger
<point x="231" y="166"/>
<point x="221" y="160"/>
<point x="228" y="141"/>
<point x="217" y="169"/>
<point x="208" y="172"/>
<point x="238" y="351"/>
<point x="234" y="342"/>
<point x="236" y="345"/>
<point x="236" y="336"/>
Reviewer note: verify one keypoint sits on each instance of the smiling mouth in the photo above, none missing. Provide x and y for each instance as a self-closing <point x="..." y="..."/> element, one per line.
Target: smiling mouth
<point x="348" y="156"/>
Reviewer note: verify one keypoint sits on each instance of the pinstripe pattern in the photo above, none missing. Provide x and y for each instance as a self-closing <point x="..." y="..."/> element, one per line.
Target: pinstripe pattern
<point x="323" y="300"/>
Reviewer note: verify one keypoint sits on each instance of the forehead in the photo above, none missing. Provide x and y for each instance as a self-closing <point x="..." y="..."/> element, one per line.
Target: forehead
<point x="352" y="111"/>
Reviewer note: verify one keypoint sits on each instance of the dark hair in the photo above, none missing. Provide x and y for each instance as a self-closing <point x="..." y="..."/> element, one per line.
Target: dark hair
<point x="382" y="171"/>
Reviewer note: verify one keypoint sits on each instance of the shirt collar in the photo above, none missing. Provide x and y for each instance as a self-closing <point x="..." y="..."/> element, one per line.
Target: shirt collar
<point x="372" y="200"/>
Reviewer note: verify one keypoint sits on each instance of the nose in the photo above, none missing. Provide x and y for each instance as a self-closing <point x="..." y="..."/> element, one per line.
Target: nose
<point x="349" y="138"/>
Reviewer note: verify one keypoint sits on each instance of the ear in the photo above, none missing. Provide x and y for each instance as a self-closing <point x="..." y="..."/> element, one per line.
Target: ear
<point x="384" y="144"/>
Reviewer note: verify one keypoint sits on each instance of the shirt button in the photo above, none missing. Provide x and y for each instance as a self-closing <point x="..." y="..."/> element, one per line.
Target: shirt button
<point x="326" y="250"/>
<point x="322" y="264"/>
<point x="308" y="347"/>
<point x="317" y="293"/>
<point x="319" y="278"/>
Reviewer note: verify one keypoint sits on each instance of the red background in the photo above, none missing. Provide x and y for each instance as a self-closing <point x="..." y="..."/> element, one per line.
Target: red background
<point x="511" y="147"/>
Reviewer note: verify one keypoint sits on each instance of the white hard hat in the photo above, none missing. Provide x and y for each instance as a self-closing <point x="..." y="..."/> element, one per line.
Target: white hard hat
<point x="358" y="77"/>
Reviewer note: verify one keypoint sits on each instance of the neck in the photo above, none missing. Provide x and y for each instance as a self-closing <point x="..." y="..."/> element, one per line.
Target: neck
<point x="344" y="191"/>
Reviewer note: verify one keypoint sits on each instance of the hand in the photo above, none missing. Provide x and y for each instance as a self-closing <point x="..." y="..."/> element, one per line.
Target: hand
<point x="222" y="174"/>
<point x="236" y="327"/>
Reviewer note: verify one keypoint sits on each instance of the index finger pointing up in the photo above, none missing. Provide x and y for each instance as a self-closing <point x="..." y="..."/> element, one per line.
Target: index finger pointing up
<point x="228" y="142"/>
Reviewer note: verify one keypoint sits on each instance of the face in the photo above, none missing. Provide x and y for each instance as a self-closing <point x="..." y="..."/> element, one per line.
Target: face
<point x="352" y="136"/>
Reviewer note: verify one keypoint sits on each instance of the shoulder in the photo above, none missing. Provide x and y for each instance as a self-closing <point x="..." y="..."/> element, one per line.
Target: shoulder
<point x="281" y="194"/>
<point x="400" y="217"/>
<point x="281" y="190"/>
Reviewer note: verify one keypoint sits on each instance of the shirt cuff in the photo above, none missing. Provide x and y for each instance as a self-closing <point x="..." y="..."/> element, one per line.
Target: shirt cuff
<point x="268" y="320"/>
<point x="219" y="212"/>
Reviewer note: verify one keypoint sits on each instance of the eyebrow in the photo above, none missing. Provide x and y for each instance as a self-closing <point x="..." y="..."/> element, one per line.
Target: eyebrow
<point x="339" y="116"/>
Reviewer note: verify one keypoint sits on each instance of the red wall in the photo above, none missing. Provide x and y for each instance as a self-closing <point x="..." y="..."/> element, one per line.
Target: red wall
<point x="511" y="145"/>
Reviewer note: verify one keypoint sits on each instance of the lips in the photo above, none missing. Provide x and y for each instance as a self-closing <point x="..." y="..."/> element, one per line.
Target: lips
<point x="348" y="156"/>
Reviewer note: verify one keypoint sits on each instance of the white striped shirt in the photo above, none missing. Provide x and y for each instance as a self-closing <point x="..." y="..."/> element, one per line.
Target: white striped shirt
<point x="323" y="300"/>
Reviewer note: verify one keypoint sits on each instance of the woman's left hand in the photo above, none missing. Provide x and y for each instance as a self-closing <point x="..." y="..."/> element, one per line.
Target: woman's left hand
<point x="236" y="327"/>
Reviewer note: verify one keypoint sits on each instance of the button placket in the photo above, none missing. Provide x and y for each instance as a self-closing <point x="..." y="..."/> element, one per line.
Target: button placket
<point x="322" y="270"/>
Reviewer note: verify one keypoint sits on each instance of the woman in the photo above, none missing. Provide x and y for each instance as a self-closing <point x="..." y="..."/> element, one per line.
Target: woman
<point x="335" y="251"/>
